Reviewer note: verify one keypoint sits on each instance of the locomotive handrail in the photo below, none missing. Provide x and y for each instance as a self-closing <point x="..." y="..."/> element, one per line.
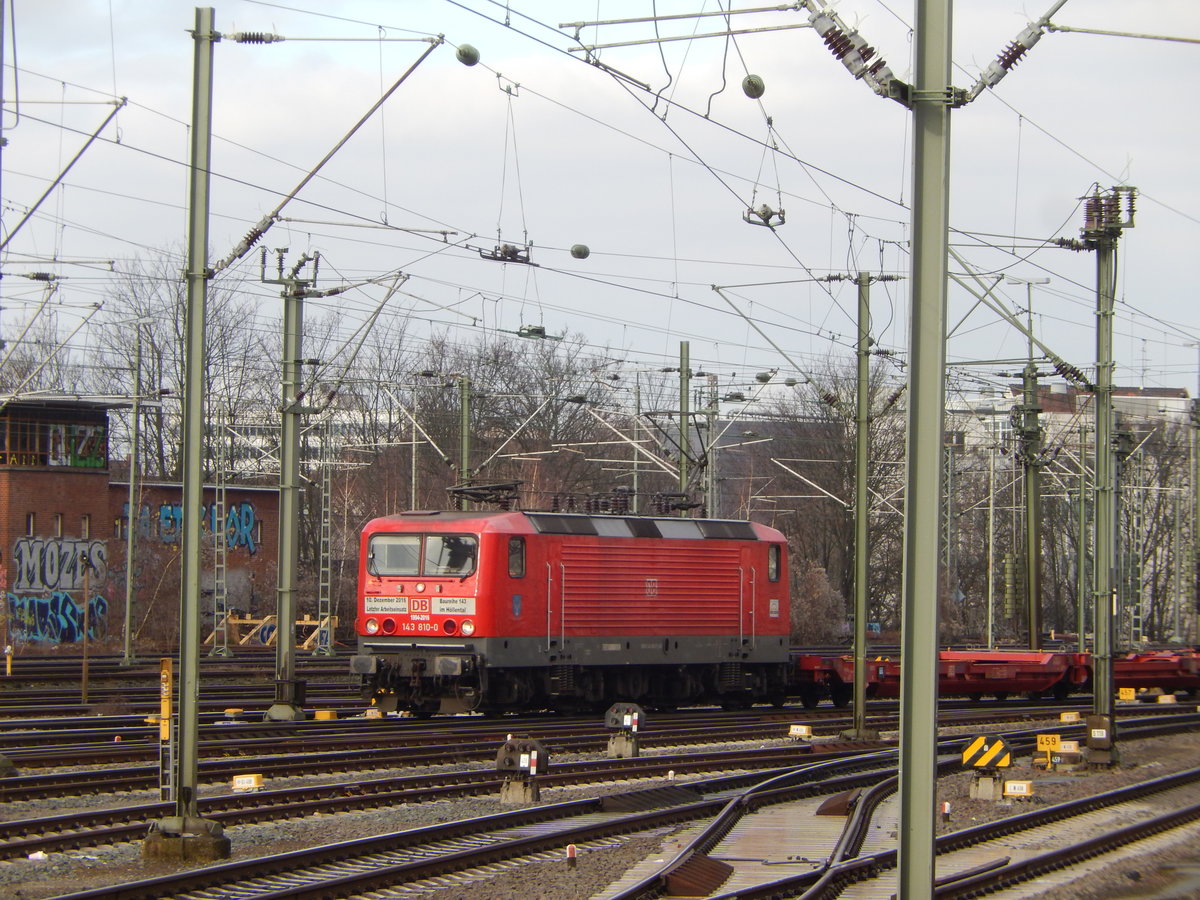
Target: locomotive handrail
<point x="753" y="607"/>
<point x="549" y="585"/>
<point x="562" y="608"/>
<point x="741" y="606"/>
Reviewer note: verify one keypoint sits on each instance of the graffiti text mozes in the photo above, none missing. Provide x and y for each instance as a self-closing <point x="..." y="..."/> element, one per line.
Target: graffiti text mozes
<point x="57" y="564"/>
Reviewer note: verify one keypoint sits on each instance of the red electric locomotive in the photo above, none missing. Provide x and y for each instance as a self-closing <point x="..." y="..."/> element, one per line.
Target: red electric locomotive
<point x="498" y="611"/>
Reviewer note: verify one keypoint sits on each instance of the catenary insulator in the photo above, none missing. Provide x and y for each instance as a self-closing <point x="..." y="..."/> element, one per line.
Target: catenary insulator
<point x="255" y="37"/>
<point x="1012" y="55"/>
<point x="753" y="86"/>
<point x="1022" y="45"/>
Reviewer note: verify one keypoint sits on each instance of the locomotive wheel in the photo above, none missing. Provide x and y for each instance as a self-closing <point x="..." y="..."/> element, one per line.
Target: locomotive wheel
<point x="425" y="709"/>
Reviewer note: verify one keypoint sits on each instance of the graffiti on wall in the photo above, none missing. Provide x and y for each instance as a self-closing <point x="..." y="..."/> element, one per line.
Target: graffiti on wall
<point x="78" y="446"/>
<point x="241" y="524"/>
<point x="56" y="618"/>
<point x="57" y="564"/>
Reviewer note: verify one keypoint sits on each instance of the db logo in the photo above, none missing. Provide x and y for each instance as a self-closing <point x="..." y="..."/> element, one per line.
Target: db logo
<point x="418" y="605"/>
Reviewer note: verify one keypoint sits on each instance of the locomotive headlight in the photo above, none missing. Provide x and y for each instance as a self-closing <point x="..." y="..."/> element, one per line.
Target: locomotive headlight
<point x="468" y="627"/>
<point x="372" y="626"/>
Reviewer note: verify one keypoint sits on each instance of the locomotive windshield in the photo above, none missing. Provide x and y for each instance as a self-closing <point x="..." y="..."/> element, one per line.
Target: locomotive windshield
<point x="415" y="554"/>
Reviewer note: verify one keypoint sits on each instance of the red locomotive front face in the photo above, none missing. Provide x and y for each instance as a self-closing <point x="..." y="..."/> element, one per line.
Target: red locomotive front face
<point x="419" y="584"/>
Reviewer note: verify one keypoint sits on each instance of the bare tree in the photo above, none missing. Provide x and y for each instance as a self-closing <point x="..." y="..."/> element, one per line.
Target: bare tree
<point x="146" y="307"/>
<point x="813" y="447"/>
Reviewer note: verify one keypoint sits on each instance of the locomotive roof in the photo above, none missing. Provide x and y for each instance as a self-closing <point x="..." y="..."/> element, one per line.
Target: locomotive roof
<point x="599" y="525"/>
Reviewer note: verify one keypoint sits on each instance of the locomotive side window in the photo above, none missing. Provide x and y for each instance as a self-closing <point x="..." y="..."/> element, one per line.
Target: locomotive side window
<point x="773" y="562"/>
<point x="516" y="557"/>
<point x="449" y="554"/>
<point x="394" y="554"/>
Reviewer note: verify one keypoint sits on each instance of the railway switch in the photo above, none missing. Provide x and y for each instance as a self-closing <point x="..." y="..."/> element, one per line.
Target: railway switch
<point x="521" y="760"/>
<point x="626" y="719"/>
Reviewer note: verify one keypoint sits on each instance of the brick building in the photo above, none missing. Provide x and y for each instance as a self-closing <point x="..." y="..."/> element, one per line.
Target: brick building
<point x="64" y="533"/>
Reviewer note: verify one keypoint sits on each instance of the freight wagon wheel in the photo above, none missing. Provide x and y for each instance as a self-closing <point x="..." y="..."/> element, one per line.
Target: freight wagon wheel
<point x="841" y="694"/>
<point x="809" y="698"/>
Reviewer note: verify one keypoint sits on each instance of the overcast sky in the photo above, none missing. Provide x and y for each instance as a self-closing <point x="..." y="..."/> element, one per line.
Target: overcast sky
<point x="651" y="161"/>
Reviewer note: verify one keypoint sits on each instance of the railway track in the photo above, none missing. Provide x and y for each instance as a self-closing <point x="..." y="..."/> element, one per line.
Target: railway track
<point x="854" y="857"/>
<point x="81" y="830"/>
<point x="405" y="858"/>
<point x="468" y="851"/>
<point x="304" y="749"/>
<point x="298" y="762"/>
<point x="21" y="837"/>
<point x="979" y="860"/>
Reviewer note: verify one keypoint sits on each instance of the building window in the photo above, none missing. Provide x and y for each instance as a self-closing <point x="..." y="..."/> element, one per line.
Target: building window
<point x="30" y="524"/>
<point x="58" y="525"/>
<point x="85" y="526"/>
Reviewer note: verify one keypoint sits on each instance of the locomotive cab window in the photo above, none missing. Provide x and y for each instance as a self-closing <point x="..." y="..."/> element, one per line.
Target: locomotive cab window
<point x="773" y="562"/>
<point x="394" y="554"/>
<point x="449" y="554"/>
<point x="516" y="557"/>
<point x="430" y="555"/>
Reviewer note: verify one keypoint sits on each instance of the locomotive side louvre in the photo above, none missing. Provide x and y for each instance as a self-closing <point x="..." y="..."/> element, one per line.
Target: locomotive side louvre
<point x="562" y="609"/>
